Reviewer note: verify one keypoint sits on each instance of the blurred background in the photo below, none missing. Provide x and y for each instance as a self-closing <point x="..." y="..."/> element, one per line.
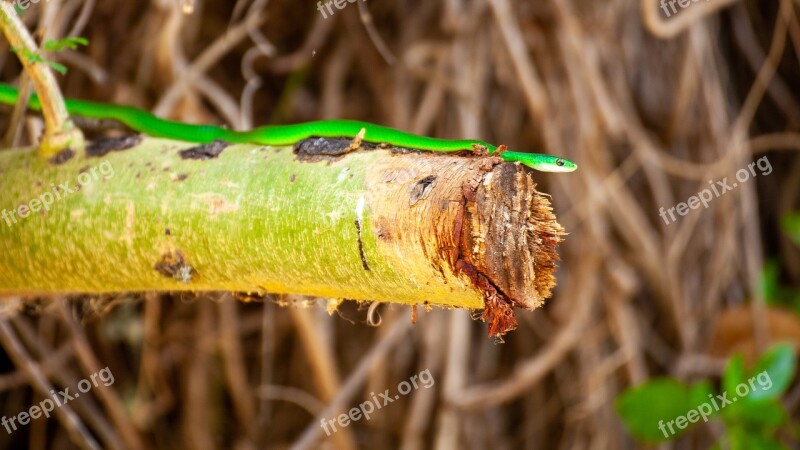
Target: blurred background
<point x="656" y="102"/>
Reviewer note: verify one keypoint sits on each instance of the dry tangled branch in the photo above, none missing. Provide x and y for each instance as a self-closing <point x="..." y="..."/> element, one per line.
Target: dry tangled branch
<point x="655" y="109"/>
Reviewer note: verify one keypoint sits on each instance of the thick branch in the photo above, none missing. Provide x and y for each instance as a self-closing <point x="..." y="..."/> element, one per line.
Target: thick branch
<point x="413" y="228"/>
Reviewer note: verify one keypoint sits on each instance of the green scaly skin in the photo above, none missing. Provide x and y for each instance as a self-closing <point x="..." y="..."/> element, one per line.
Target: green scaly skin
<point x="279" y="135"/>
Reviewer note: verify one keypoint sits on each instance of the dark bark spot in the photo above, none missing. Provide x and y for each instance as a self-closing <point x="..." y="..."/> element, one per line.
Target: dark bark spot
<point x="422" y="189"/>
<point x="361" y="253"/>
<point x="104" y="146"/>
<point x="319" y="149"/>
<point x="323" y="146"/>
<point x="62" y="156"/>
<point x="206" y="151"/>
<point x="173" y="265"/>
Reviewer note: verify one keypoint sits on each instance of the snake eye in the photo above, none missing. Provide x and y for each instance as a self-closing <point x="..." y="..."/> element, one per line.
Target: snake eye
<point x="559" y="162"/>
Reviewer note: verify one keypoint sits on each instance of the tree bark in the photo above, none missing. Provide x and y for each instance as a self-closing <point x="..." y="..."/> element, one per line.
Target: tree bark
<point x="373" y="224"/>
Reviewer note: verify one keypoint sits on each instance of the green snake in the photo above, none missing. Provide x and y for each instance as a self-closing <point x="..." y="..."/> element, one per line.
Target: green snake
<point x="280" y="135"/>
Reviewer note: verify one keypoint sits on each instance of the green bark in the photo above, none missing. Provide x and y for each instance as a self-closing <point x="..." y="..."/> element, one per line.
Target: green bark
<point x="371" y="225"/>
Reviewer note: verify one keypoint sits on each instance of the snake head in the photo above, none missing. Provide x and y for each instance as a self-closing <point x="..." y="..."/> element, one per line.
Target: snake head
<point x="543" y="163"/>
<point x="556" y="164"/>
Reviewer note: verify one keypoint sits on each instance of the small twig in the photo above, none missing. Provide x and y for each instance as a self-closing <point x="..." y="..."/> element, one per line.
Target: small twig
<point x="210" y="56"/>
<point x="532" y="370"/>
<point x="88" y="412"/>
<point x="50" y="365"/>
<point x="290" y="394"/>
<point x="89" y="361"/>
<point x="456" y="369"/>
<point x="374" y="36"/>
<point x="671" y="27"/>
<point x="777" y="89"/>
<point x="60" y="133"/>
<point x="323" y="362"/>
<point x="353" y="383"/>
<point x="267" y="344"/>
<point x="529" y="78"/>
<point x="153" y="395"/>
<point x="83" y="18"/>
<point x="234" y="364"/>
<point x="421" y="412"/>
<point x="195" y="424"/>
<point x="302" y="56"/>
<point x="11" y="138"/>
<point x="77" y="431"/>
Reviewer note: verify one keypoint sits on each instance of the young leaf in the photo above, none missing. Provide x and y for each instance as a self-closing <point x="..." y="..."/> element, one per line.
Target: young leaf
<point x="759" y="414"/>
<point x="773" y="373"/>
<point x="743" y="439"/>
<point x="57" y="67"/>
<point x="648" y="409"/>
<point x="791" y="224"/>
<point x="733" y="374"/>
<point x="36" y="58"/>
<point x="56" y="45"/>
<point x="768" y="282"/>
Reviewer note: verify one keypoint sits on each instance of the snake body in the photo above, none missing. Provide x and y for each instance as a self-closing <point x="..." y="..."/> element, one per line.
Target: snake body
<point x="281" y="135"/>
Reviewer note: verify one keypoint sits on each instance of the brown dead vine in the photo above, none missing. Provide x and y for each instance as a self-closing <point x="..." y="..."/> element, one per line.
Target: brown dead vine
<point x="649" y="106"/>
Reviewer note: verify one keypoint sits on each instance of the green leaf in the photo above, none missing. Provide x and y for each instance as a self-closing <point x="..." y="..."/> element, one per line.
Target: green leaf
<point x="31" y="57"/>
<point x="769" y="378"/>
<point x="755" y="393"/>
<point x="772" y="291"/>
<point x="768" y="283"/>
<point x="760" y="414"/>
<point x="791" y="224"/>
<point x="773" y="373"/>
<point x="742" y="439"/>
<point x="56" y="45"/>
<point x="57" y="67"/>
<point x="650" y="411"/>
<point x="733" y="374"/>
<point x="34" y="57"/>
